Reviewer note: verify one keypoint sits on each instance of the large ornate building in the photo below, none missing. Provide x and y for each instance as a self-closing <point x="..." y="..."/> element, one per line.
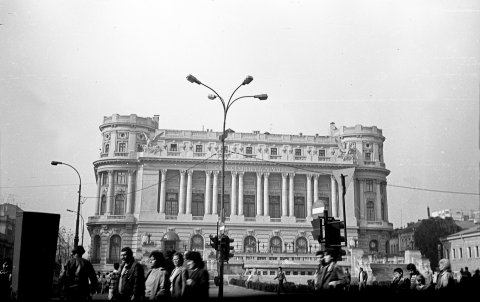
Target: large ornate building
<point x="161" y="189"/>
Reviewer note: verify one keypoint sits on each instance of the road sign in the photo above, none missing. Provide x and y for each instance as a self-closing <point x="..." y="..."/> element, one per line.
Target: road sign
<point x="318" y="208"/>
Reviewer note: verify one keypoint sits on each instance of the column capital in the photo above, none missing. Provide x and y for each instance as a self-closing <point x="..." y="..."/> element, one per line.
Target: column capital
<point x="234" y="173"/>
<point x="164" y="171"/>
<point x="131" y="171"/>
<point x="240" y="173"/>
<point x="259" y="174"/>
<point x="190" y="172"/>
<point x="208" y="172"/>
<point x="266" y="174"/>
<point x="291" y="174"/>
<point x="316" y="176"/>
<point x="215" y="173"/>
<point x="110" y="172"/>
<point x="284" y="174"/>
<point x="182" y="172"/>
<point x="309" y="176"/>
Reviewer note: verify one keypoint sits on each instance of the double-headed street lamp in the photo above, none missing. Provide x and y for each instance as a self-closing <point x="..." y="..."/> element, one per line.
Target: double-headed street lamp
<point x="83" y="223"/>
<point x="75" y="240"/>
<point x="226" y="106"/>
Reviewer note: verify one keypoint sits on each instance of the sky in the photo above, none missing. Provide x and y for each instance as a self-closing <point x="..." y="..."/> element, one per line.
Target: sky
<point x="411" y="68"/>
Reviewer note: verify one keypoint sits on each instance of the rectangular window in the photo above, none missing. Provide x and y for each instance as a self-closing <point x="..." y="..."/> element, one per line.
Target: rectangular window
<point x="274" y="206"/>
<point x="173" y="147"/>
<point x="273" y="151"/>
<point x="298" y="152"/>
<point x="122" y="147"/>
<point x="368" y="156"/>
<point x="299" y="206"/>
<point x="121" y="178"/>
<point x="476" y="252"/>
<point x="453" y="253"/>
<point x="369" y="187"/>
<point x="104" y="178"/>
<point x="226" y="204"/>
<point x="249" y="205"/>
<point x="198" y="208"/>
<point x="460" y="253"/>
<point x="171" y="204"/>
<point x="248" y="150"/>
<point x="199" y="148"/>
<point x="469" y="252"/>
<point x="321" y="153"/>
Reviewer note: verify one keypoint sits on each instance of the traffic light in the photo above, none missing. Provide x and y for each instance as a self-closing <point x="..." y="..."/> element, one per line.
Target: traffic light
<point x="333" y="229"/>
<point x="317" y="225"/>
<point x="214" y="242"/>
<point x="226" y="248"/>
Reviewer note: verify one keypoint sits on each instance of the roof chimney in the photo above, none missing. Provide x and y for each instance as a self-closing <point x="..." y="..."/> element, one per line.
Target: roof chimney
<point x="428" y="212"/>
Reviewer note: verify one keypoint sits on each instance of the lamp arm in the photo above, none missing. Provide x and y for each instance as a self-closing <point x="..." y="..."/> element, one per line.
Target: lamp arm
<point x="242" y="97"/>
<point x="221" y="99"/>
<point x="231" y="96"/>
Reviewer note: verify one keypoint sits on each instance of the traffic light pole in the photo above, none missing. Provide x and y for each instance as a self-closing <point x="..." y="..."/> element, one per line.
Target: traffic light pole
<point x="344" y="189"/>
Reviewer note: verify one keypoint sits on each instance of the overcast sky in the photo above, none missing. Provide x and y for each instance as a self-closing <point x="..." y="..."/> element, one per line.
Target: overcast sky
<point x="411" y="68"/>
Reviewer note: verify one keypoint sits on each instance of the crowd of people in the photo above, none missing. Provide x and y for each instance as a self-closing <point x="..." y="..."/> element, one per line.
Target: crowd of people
<point x="176" y="275"/>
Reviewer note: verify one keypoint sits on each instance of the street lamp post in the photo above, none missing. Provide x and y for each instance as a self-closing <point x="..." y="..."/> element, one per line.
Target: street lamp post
<point x="75" y="240"/>
<point x="83" y="223"/>
<point x="226" y="106"/>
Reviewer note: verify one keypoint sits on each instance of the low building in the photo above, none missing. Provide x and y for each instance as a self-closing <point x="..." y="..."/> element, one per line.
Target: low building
<point x="462" y="248"/>
<point x="8" y="214"/>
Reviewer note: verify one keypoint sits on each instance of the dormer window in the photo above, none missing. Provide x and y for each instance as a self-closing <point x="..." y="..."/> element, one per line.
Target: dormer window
<point x="321" y="153"/>
<point x="173" y="147"/>
<point x="198" y="148"/>
<point x="273" y="151"/>
<point x="248" y="150"/>
<point x="298" y="152"/>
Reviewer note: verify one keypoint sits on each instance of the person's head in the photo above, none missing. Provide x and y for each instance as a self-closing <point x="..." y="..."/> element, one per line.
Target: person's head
<point x="397" y="273"/>
<point x="331" y="255"/>
<point x="411" y="268"/>
<point x="116" y="265"/>
<point x="7" y="265"/>
<point x="361" y="269"/>
<point x="466" y="268"/>
<point x="126" y="255"/>
<point x="346" y="270"/>
<point x="320" y="256"/>
<point x="420" y="279"/>
<point x="280" y="268"/>
<point x="78" y="251"/>
<point x="444" y="265"/>
<point x="177" y="259"/>
<point x="194" y="260"/>
<point x="156" y="259"/>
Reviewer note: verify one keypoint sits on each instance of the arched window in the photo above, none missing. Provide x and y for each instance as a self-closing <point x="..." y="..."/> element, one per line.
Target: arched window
<point x="103" y="205"/>
<point x="302" y="245"/>
<point x="373" y="246"/>
<point x="276" y="245"/>
<point x="115" y="246"/>
<point x="107" y="148"/>
<point x="370" y="211"/>
<point x="196" y="243"/>
<point x="250" y="244"/>
<point x="119" y="208"/>
<point x="96" y="249"/>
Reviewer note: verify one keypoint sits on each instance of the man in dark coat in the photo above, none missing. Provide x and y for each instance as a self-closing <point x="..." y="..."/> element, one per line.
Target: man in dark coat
<point x="131" y="286"/>
<point x="76" y="275"/>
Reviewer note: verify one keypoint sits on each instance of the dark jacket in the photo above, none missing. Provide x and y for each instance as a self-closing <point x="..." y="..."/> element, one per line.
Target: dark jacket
<point x="75" y="278"/>
<point x="132" y="281"/>
<point x="198" y="289"/>
<point x="328" y="274"/>
<point x="400" y="285"/>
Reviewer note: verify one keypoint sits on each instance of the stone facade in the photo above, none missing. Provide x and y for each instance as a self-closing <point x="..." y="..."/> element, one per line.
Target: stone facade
<point x="462" y="248"/>
<point x="162" y="189"/>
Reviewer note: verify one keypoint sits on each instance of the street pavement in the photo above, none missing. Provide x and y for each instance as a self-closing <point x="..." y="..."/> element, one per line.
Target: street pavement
<point x="229" y="291"/>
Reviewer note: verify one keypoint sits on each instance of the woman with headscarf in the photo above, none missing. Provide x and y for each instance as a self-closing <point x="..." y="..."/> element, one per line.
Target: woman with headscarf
<point x="157" y="283"/>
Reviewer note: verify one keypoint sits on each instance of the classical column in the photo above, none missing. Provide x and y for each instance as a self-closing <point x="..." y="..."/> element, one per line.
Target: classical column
<point x="99" y="192"/>
<point x="385" y="200"/>
<point x="378" y="201"/>
<point x="233" y="194"/>
<point x="128" y="210"/>
<point x="240" y="193"/>
<point x="181" y="195"/>
<point x="309" y="194"/>
<point x="315" y="187"/>
<point x="284" y="195"/>
<point x="208" y="197"/>
<point x="265" y="194"/>
<point x="362" y="199"/>
<point x="110" y="193"/>
<point x="215" y="193"/>
<point x="163" y="190"/>
<point x="290" y="200"/>
<point x="189" y="192"/>
<point x="334" y="196"/>
<point x="259" y="194"/>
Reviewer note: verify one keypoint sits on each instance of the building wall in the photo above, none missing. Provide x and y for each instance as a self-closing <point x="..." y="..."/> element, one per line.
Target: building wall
<point x="141" y="169"/>
<point x="463" y="250"/>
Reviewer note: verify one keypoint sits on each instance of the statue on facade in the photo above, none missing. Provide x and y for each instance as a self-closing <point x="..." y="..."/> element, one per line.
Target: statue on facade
<point x="151" y="145"/>
<point x="347" y="151"/>
<point x="146" y="239"/>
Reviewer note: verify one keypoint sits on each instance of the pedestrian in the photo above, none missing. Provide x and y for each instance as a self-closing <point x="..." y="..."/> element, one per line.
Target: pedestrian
<point x="318" y="271"/>
<point x="178" y="277"/>
<point x="157" y="283"/>
<point x="399" y="284"/>
<point x="348" y="280"/>
<point x="362" y="279"/>
<point x="413" y="272"/>
<point x="421" y="285"/>
<point x="78" y="278"/>
<point x="131" y="286"/>
<point x="466" y="279"/>
<point x="197" y="282"/>
<point x="103" y="282"/>
<point x="281" y="279"/>
<point x="331" y="276"/>
<point x="445" y="279"/>
<point x="113" y="285"/>
<point x="6" y="280"/>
